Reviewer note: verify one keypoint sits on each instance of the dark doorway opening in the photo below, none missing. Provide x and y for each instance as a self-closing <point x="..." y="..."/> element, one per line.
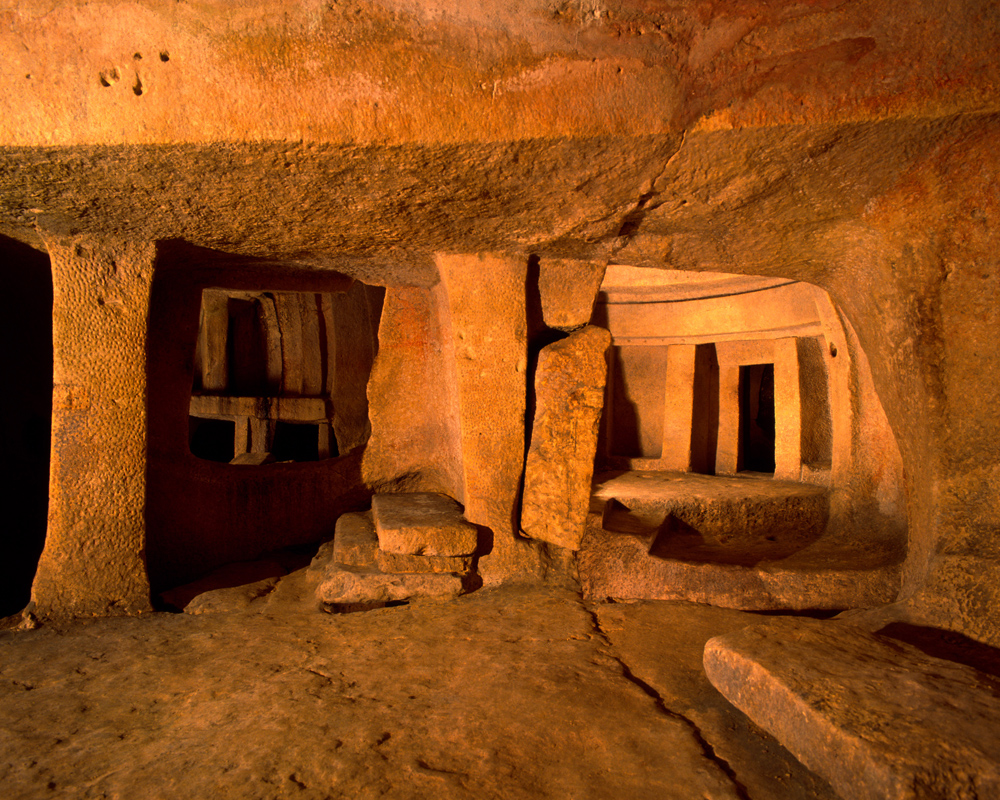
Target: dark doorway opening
<point x="757" y="418"/>
<point x="25" y="418"/>
<point x="297" y="442"/>
<point x="212" y="439"/>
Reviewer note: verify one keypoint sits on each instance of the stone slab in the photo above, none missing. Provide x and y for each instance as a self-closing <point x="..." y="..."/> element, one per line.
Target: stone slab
<point x="422" y="524"/>
<point x="355" y="541"/>
<point x="356" y="545"/>
<point x="877" y="718"/>
<point x="824" y="575"/>
<point x="569" y="396"/>
<point x="366" y="585"/>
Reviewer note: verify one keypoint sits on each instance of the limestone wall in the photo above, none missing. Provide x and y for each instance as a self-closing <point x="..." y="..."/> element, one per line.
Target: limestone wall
<point x="851" y="146"/>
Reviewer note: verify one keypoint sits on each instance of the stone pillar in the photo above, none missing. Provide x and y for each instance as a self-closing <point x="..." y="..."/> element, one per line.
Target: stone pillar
<point x="569" y="396"/>
<point x="94" y="561"/>
<point x="678" y="407"/>
<point x="213" y="333"/>
<point x="486" y="301"/>
<point x="787" y="411"/>
<point x="727" y="454"/>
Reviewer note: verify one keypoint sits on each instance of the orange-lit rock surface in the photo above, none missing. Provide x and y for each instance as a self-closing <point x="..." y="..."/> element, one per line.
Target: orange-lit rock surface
<point x="463" y="182"/>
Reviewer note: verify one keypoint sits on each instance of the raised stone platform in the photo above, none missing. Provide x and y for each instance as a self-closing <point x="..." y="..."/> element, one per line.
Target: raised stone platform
<point x="746" y="542"/>
<point x="877" y="718"/>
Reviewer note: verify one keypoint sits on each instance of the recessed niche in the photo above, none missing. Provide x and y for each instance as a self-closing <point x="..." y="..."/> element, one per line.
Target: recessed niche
<point x="280" y="376"/>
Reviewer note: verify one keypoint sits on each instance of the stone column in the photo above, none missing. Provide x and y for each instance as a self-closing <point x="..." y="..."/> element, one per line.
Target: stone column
<point x="94" y="561"/>
<point x="678" y="407"/>
<point x="727" y="453"/>
<point x="787" y="411"/>
<point x="486" y="301"/>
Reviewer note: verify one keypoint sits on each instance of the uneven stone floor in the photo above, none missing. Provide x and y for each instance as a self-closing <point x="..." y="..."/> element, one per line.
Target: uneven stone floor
<point x="510" y="693"/>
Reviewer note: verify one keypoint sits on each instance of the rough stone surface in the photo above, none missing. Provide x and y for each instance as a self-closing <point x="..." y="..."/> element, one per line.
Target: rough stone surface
<point x="413" y="379"/>
<point x="356" y="544"/>
<point x="569" y="396"/>
<point x="733" y="542"/>
<point x="422" y="523"/>
<point x="567" y="290"/>
<point x="355" y="540"/>
<point x="876" y="717"/>
<point x="365" y="585"/>
<point x="723" y="511"/>
<point x="851" y="145"/>
<point x="93" y="561"/>
<point x="619" y="566"/>
<point x="504" y="693"/>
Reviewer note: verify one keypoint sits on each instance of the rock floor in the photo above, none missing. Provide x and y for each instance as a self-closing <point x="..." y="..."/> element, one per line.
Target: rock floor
<point x="510" y="693"/>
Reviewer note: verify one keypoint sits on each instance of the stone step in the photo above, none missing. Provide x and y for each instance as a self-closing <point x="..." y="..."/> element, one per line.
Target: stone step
<point x="877" y="718"/>
<point x="422" y="524"/>
<point x="355" y="544"/>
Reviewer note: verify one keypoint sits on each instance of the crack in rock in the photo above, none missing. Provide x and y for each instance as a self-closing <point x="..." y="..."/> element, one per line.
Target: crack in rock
<point x="706" y="747"/>
<point x="634" y="218"/>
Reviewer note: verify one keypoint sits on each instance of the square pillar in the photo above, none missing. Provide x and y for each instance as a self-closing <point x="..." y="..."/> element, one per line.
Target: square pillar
<point x="678" y="407"/>
<point x="727" y="454"/>
<point x="486" y="303"/>
<point x="94" y="557"/>
<point x="787" y="411"/>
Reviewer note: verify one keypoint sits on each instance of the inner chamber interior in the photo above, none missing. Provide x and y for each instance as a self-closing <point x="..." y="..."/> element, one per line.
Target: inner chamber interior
<point x="727" y="397"/>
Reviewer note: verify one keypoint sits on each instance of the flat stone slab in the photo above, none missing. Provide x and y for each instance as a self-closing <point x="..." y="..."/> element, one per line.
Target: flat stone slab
<point x="355" y="544"/>
<point x="422" y="524"/>
<point x="636" y="564"/>
<point x="364" y="585"/>
<point x="877" y="718"/>
<point x="569" y="397"/>
<point x="723" y="510"/>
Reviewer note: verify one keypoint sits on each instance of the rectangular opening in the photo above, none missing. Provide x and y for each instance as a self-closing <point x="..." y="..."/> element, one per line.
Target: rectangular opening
<point x="756" y="418"/>
<point x="296" y="441"/>
<point x="212" y="439"/>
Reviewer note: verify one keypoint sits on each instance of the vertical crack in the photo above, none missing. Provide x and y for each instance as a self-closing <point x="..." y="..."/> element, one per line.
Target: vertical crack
<point x="706" y="747"/>
<point x="633" y="219"/>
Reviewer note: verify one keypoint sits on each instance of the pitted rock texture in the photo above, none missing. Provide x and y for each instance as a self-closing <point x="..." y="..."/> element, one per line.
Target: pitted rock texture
<point x="422" y="523"/>
<point x="876" y="717"/>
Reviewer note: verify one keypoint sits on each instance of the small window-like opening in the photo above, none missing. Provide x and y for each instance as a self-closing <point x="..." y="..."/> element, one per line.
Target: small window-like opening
<point x="286" y="373"/>
<point x="757" y="418"/>
<point x="212" y="439"/>
<point x="295" y="441"/>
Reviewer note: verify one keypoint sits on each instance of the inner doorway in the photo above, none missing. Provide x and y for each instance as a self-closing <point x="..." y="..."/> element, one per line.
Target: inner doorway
<point x="757" y="418"/>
